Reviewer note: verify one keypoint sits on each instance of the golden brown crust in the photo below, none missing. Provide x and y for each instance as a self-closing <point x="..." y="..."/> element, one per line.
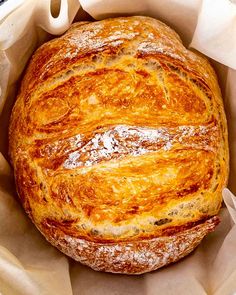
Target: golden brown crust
<point x="118" y="135"/>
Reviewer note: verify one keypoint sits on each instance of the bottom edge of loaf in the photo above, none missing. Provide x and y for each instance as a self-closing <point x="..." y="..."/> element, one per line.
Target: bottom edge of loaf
<point x="134" y="257"/>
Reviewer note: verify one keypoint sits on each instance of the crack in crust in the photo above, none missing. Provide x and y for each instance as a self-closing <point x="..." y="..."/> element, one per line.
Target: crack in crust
<point x="121" y="140"/>
<point x="131" y="257"/>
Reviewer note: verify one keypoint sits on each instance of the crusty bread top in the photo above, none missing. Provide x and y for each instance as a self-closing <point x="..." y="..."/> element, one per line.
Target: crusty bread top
<point x="118" y="133"/>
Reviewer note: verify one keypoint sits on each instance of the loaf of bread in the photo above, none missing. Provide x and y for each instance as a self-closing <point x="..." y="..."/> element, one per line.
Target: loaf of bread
<point x="118" y="140"/>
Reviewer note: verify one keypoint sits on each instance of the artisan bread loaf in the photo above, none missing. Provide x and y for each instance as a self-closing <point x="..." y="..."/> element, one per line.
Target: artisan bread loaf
<point x="118" y="140"/>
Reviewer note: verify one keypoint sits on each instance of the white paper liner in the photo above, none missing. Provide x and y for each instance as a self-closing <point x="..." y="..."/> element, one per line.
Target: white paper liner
<point x="28" y="264"/>
<point x="215" y="33"/>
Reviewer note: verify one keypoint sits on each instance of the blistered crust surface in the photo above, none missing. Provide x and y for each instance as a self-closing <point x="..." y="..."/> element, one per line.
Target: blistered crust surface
<point x="118" y="134"/>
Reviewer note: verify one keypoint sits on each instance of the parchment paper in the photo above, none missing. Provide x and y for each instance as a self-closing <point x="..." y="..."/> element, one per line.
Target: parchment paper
<point x="28" y="264"/>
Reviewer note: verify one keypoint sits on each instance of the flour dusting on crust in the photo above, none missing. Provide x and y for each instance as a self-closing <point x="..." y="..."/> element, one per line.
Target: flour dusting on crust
<point x="135" y="257"/>
<point x="124" y="140"/>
